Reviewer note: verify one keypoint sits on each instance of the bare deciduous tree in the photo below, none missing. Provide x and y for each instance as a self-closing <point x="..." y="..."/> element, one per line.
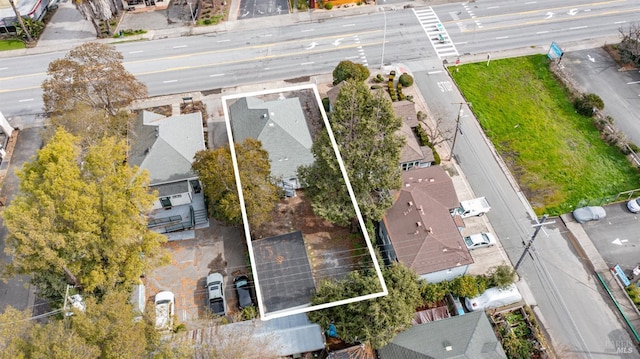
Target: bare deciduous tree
<point x="436" y="132"/>
<point x="629" y="46"/>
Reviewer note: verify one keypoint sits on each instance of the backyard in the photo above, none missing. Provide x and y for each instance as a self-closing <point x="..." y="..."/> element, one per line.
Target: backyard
<point x="556" y="155"/>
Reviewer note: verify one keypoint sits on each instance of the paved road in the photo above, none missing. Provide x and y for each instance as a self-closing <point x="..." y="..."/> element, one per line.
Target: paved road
<point x="16" y="292"/>
<point x="594" y="71"/>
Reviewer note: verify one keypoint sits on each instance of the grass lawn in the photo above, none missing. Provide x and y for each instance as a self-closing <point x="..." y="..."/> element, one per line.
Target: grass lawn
<point x="11" y="45"/>
<point x="556" y="155"/>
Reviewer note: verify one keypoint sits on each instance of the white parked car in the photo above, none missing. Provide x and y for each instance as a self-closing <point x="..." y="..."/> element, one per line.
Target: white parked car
<point x="634" y="205"/>
<point x="480" y="240"/>
<point x="165" y="308"/>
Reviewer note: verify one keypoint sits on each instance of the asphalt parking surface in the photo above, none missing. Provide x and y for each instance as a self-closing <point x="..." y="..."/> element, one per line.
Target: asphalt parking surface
<point x="258" y="8"/>
<point x="616" y="236"/>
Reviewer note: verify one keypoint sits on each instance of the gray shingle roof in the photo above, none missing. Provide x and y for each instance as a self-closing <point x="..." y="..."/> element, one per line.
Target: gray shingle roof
<point x="469" y="336"/>
<point x="281" y="127"/>
<point x="165" y="146"/>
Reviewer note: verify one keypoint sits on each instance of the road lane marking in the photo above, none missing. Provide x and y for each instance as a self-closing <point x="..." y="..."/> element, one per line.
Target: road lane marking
<point x="216" y="75"/>
<point x="26" y="100"/>
<point x="307" y="30"/>
<point x="634" y="82"/>
<point x="265" y="35"/>
<point x="434" y="72"/>
<point x="577" y="27"/>
<point x="179" y="46"/>
<point x="502" y="37"/>
<point x="4" y="68"/>
<point x="541" y="32"/>
<point x="135" y="52"/>
<point x="307" y="63"/>
<point x="492" y="7"/>
<point x="461" y="43"/>
<point x="348" y="25"/>
<point x="226" y="40"/>
<point x="169" y="81"/>
<point x="619" y="22"/>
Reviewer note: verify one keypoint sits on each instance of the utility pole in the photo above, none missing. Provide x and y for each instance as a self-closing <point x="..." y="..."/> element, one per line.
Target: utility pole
<point x="533" y="238"/>
<point x="455" y="134"/>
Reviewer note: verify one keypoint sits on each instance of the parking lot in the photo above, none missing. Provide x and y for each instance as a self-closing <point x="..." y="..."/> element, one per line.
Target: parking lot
<point x="616" y="236"/>
<point x="215" y="249"/>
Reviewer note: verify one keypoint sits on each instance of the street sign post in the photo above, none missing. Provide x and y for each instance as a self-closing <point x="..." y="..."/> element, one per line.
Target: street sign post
<point x="488" y="59"/>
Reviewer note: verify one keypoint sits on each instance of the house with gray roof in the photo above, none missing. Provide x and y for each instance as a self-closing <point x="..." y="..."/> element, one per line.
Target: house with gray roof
<point x="33" y="9"/>
<point x="281" y="126"/>
<point x="468" y="336"/>
<point x="165" y="147"/>
<point x="419" y="231"/>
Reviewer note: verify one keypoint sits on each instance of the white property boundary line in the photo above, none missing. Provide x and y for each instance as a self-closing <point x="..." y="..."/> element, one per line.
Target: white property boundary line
<point x="299" y="309"/>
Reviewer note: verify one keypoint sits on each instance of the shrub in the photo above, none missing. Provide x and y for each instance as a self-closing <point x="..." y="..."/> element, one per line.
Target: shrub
<point x="436" y="156"/>
<point x="502" y="276"/>
<point x="587" y="103"/>
<point x="249" y="313"/>
<point x="325" y="104"/>
<point x="378" y="78"/>
<point x="465" y="286"/>
<point x="328" y="6"/>
<point x="376" y="87"/>
<point x="406" y="80"/>
<point x="421" y="134"/>
<point x="349" y="70"/>
<point x="433" y="292"/>
<point x="207" y="21"/>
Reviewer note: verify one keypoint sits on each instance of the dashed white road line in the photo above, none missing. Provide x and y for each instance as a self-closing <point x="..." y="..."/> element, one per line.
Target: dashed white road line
<point x="179" y="46"/>
<point x="307" y="30"/>
<point x="135" y="52"/>
<point x="169" y="81"/>
<point x="578" y="27"/>
<point x="348" y="25"/>
<point x="619" y="22"/>
<point x="26" y="100"/>
<point x="216" y="75"/>
<point x="307" y="63"/>
<point x="502" y="37"/>
<point x="541" y="32"/>
<point x="226" y="40"/>
<point x="633" y="82"/>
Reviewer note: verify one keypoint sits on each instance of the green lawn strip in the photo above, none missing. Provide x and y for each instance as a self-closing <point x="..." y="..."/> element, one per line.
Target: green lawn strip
<point x="556" y="154"/>
<point x="11" y="45"/>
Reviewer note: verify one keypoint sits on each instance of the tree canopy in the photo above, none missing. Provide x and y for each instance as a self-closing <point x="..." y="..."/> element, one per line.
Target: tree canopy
<point x="375" y="321"/>
<point x="364" y="126"/>
<point x="91" y="74"/>
<point x="347" y="70"/>
<point x="215" y="170"/>
<point x="81" y="215"/>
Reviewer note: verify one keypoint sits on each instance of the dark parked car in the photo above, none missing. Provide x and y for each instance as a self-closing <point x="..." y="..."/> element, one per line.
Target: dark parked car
<point x="586" y="214"/>
<point x="241" y="283"/>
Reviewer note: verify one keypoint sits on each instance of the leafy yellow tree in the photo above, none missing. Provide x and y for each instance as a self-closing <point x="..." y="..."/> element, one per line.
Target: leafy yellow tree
<point x="109" y="325"/>
<point x="91" y="74"/>
<point x="81" y="215"/>
<point x="215" y="170"/>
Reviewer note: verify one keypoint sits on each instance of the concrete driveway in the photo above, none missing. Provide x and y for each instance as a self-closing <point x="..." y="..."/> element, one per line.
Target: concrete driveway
<point x="259" y="8"/>
<point x="215" y="249"/>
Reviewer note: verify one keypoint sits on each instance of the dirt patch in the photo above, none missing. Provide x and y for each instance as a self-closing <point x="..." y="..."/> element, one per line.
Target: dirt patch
<point x="164" y="110"/>
<point x="332" y="250"/>
<point x="213" y="11"/>
<point x="218" y="264"/>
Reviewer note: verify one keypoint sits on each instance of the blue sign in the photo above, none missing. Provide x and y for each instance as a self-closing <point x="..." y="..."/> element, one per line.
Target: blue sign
<point x="554" y="51"/>
<point x="621" y="275"/>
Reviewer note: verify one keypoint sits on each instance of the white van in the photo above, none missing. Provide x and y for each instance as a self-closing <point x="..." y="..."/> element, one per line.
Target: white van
<point x="493" y="298"/>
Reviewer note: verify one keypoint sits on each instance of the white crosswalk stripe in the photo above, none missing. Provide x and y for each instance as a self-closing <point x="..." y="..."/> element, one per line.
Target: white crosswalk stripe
<point x="436" y="32"/>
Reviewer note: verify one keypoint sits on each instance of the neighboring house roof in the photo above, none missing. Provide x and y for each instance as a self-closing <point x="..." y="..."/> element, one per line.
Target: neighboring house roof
<point x="423" y="233"/>
<point x="468" y="336"/>
<point x="282" y="128"/>
<point x="354" y="352"/>
<point x="293" y="334"/>
<point x="27" y="8"/>
<point x="283" y="271"/>
<point x="332" y="94"/>
<point x="411" y="150"/>
<point x="166" y="146"/>
<point x="406" y="110"/>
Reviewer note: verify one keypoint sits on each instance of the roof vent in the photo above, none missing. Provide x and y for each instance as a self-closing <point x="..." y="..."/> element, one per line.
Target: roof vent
<point x="410" y="203"/>
<point x="447" y="346"/>
<point x="419" y="224"/>
<point x="432" y="180"/>
<point x="430" y="230"/>
<point x="264" y="115"/>
<point x="419" y="180"/>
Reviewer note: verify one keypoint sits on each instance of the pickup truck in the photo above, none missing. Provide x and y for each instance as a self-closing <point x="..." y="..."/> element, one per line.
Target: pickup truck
<point x="474" y="207"/>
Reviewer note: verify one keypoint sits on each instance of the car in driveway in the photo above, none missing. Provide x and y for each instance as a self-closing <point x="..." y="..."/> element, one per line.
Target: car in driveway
<point x="591" y="213"/>
<point x="215" y="288"/>
<point x="241" y="283"/>
<point x="479" y="240"/>
<point x="165" y="309"/>
<point x="634" y="205"/>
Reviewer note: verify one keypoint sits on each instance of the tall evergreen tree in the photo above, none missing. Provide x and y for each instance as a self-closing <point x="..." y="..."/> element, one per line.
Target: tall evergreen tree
<point x="364" y="126"/>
